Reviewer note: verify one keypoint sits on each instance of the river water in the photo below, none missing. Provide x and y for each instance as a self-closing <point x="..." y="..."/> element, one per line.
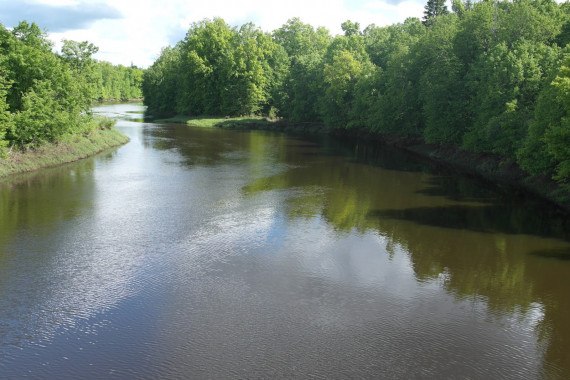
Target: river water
<point x="207" y="253"/>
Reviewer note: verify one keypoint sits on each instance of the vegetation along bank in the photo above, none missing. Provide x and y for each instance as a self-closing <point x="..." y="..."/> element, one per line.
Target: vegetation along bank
<point x="489" y="79"/>
<point x="45" y="100"/>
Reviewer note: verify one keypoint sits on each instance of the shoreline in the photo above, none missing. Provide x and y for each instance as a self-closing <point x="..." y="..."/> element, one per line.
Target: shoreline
<point x="490" y="168"/>
<point x="72" y="148"/>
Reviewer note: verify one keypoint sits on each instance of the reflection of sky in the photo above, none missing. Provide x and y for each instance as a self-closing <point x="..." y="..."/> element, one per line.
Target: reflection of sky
<point x="335" y="283"/>
<point x="63" y="272"/>
<point x="236" y="280"/>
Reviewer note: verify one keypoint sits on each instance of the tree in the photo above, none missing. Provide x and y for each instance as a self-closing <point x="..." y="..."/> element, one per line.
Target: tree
<point x="350" y="28"/>
<point x="442" y="86"/>
<point x="340" y="78"/>
<point x="434" y="8"/>
<point x="161" y="83"/>
<point x="78" y="54"/>
<point x="301" y="82"/>
<point x="506" y="84"/>
<point x="557" y="136"/>
<point x="32" y="35"/>
<point x="5" y="117"/>
<point x="458" y="8"/>
<point x="300" y="39"/>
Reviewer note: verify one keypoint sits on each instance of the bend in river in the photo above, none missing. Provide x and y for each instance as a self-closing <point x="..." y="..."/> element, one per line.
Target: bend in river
<point x="208" y="253"/>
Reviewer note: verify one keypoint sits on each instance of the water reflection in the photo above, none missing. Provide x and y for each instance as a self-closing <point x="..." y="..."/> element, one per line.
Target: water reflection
<point x="211" y="253"/>
<point x="472" y="241"/>
<point x="415" y="207"/>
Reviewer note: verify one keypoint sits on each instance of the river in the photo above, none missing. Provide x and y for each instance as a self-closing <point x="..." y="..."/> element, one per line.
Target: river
<point x="208" y="253"/>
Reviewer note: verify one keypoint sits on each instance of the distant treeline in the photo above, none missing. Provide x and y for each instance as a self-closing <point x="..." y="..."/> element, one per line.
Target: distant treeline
<point x="45" y="96"/>
<point x="492" y="76"/>
<point x="117" y="81"/>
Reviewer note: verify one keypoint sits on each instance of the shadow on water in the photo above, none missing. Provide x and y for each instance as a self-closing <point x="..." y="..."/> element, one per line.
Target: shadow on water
<point x="477" y="205"/>
<point x="379" y="155"/>
<point x="458" y="189"/>
<point x="558" y="254"/>
<point x="492" y="218"/>
<point x="472" y="238"/>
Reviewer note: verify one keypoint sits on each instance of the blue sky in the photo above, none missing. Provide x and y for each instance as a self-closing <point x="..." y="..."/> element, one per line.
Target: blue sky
<point x="134" y="31"/>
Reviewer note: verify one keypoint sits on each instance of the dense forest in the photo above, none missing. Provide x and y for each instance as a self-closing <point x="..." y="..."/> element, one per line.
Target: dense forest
<point x="491" y="76"/>
<point x="45" y="96"/>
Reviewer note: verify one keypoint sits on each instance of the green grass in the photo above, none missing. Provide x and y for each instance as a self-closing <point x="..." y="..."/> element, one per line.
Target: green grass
<point x="214" y="121"/>
<point x="71" y="148"/>
<point x="232" y="122"/>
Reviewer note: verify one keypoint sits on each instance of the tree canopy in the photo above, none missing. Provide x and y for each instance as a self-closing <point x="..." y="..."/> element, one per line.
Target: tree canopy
<point x="486" y="76"/>
<point x="45" y="95"/>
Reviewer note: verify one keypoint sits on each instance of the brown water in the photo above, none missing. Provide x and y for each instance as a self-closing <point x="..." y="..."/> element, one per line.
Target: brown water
<point x="203" y="253"/>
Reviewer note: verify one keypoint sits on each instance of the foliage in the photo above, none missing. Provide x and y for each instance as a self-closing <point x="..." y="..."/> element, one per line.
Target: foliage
<point x="5" y="116"/>
<point x="490" y="77"/>
<point x="442" y="88"/>
<point x="216" y="70"/>
<point x="557" y="136"/>
<point x="434" y="8"/>
<point x="160" y="83"/>
<point x="506" y="84"/>
<point x="117" y="81"/>
<point x="44" y="96"/>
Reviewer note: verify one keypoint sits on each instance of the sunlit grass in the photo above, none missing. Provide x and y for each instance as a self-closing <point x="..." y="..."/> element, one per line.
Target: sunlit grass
<point x="69" y="149"/>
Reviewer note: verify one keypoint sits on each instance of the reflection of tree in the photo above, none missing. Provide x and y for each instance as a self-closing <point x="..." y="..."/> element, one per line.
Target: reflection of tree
<point x="472" y="241"/>
<point x="476" y="244"/>
<point x="43" y="199"/>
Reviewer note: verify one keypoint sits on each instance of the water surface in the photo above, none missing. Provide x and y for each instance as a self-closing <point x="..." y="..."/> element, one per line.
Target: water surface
<point x="204" y="253"/>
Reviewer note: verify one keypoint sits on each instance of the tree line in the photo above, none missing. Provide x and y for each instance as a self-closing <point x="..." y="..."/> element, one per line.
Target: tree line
<point x="491" y="76"/>
<point x="45" y="95"/>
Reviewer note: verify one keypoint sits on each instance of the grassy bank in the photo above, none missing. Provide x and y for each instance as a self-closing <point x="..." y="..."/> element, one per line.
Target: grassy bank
<point x="69" y="149"/>
<point x="222" y="122"/>
<point x="246" y="123"/>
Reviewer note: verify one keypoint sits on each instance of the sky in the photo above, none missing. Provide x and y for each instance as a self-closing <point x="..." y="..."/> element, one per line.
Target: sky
<point x="134" y="31"/>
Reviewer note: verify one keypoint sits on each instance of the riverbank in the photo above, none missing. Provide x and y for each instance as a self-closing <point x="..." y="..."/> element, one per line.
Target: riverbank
<point x="499" y="170"/>
<point x="117" y="100"/>
<point x="503" y="171"/>
<point x="71" y="148"/>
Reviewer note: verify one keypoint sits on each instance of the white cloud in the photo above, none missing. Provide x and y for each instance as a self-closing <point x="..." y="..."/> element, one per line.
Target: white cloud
<point x="149" y="25"/>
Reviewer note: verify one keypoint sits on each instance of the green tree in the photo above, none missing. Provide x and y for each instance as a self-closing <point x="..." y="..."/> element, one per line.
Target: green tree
<point x="206" y="66"/>
<point x="458" y="7"/>
<point x="557" y="136"/>
<point x="340" y="78"/>
<point x="434" y="8"/>
<point x="32" y="35"/>
<point x="442" y="86"/>
<point x="299" y="39"/>
<point x="5" y="117"/>
<point x="507" y="84"/>
<point x="350" y="28"/>
<point x="78" y="54"/>
<point x="161" y="83"/>
<point x="394" y="97"/>
<point x="301" y="83"/>
<point x="534" y="155"/>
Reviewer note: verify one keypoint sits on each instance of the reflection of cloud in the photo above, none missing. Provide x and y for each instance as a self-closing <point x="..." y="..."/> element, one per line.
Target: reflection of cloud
<point x="57" y="18"/>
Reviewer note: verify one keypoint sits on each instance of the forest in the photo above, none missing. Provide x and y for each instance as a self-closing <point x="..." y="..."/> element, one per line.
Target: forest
<point x="45" y="95"/>
<point x="490" y="76"/>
